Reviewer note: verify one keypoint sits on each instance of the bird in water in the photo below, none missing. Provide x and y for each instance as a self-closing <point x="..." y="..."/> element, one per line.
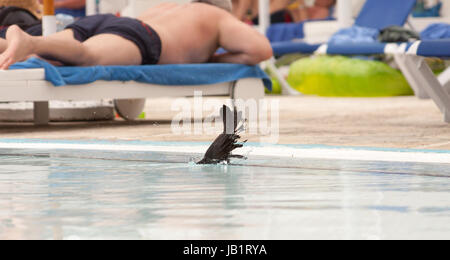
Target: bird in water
<point x="221" y="149"/>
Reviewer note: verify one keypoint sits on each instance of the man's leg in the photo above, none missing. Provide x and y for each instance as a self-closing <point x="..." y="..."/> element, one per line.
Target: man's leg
<point x="20" y="45"/>
<point x="110" y="49"/>
<point x="104" y="49"/>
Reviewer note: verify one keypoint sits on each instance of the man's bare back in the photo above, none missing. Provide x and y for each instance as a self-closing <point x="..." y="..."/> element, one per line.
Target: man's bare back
<point x="189" y="33"/>
<point x="199" y="28"/>
<point x="192" y="27"/>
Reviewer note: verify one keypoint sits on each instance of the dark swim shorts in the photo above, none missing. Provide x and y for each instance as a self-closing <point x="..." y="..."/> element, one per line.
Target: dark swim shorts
<point x="146" y="39"/>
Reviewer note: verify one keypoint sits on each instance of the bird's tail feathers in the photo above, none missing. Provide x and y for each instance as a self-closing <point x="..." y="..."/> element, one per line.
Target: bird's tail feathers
<point x="231" y="120"/>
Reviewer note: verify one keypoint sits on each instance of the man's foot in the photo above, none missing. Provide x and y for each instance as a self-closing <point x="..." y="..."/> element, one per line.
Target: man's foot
<point x="20" y="46"/>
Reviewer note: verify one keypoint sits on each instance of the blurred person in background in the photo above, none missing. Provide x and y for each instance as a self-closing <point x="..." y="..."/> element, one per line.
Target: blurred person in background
<point x="283" y="11"/>
<point x="31" y="22"/>
<point x="31" y="5"/>
<point x="24" y="13"/>
<point x="244" y="9"/>
<point x="321" y="9"/>
<point x="247" y="11"/>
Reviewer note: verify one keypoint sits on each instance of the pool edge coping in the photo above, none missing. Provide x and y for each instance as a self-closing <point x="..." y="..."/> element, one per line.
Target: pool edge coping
<point x="256" y="149"/>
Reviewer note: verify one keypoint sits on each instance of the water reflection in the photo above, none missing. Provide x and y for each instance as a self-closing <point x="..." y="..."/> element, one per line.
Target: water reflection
<point x="95" y="195"/>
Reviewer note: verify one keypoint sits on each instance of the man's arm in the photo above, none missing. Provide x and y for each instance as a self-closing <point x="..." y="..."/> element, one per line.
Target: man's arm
<point x="244" y="44"/>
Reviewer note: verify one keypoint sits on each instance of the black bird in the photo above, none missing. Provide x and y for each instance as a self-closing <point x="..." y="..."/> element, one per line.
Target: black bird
<point x="228" y="141"/>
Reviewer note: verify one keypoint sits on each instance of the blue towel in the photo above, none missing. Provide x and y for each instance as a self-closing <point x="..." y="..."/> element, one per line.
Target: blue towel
<point x="436" y="31"/>
<point x="171" y="75"/>
<point x="355" y="34"/>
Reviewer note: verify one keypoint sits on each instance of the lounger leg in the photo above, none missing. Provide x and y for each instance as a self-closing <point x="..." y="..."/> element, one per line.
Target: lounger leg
<point x="409" y="71"/>
<point x="247" y="89"/>
<point x="247" y="95"/>
<point x="444" y="79"/>
<point x="129" y="109"/>
<point x="447" y="116"/>
<point x="41" y="113"/>
<point x="431" y="84"/>
<point x="286" y="88"/>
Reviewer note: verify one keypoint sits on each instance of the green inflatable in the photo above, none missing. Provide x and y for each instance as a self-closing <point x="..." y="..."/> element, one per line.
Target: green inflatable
<point x="276" y="87"/>
<point x="337" y="76"/>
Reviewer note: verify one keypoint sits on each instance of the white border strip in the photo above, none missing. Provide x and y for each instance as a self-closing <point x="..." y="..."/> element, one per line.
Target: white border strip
<point x="414" y="48"/>
<point x="272" y="151"/>
<point x="322" y="50"/>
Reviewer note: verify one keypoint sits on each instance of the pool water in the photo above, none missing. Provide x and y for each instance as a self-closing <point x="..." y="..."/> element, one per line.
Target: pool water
<point x="80" y="194"/>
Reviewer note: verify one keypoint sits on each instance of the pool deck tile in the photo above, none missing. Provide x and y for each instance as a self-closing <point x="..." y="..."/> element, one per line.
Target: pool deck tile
<point x="398" y="122"/>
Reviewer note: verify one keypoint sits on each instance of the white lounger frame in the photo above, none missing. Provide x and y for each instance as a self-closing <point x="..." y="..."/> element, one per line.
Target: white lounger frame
<point x="30" y="85"/>
<point x="423" y="81"/>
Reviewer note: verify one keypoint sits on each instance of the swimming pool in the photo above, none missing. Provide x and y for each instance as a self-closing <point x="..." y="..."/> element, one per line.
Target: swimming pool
<point x="136" y="190"/>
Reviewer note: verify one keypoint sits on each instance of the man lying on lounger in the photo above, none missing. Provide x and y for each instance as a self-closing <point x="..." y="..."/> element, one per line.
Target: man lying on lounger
<point x="166" y="34"/>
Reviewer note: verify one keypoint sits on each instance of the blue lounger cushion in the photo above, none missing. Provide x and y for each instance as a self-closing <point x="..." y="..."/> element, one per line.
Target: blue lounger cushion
<point x="392" y="12"/>
<point x="429" y="48"/>
<point x="357" y="48"/>
<point x="170" y="75"/>
<point x="379" y="14"/>
<point x="434" y="48"/>
<point x="282" y="48"/>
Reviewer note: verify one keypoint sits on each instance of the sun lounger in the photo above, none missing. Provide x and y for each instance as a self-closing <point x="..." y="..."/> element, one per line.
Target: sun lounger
<point x="336" y="49"/>
<point x="129" y="86"/>
<point x="40" y="82"/>
<point x="422" y="78"/>
<point x="392" y="13"/>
